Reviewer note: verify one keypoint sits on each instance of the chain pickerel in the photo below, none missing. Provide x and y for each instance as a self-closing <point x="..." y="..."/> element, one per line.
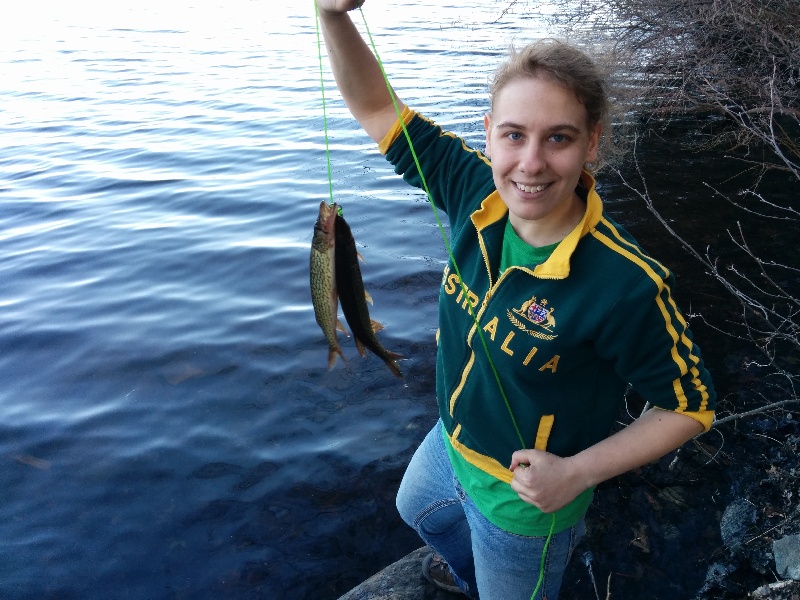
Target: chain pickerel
<point x="354" y="298"/>
<point x="324" y="295"/>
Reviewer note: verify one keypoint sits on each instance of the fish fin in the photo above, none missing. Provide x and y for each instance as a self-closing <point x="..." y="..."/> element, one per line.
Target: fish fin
<point x="368" y="297"/>
<point x="361" y="350"/>
<point x="340" y="327"/>
<point x="376" y="327"/>
<point x="390" y="362"/>
<point x="332" y="355"/>
<point x="361" y="257"/>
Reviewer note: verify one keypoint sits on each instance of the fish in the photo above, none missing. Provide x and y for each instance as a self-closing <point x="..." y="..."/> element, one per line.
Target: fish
<point x="324" y="295"/>
<point x="354" y="297"/>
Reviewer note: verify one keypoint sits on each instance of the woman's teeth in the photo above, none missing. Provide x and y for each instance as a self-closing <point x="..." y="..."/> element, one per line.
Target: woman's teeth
<point x="531" y="189"/>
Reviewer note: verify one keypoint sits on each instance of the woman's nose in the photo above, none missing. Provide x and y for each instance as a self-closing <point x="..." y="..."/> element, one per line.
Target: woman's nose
<point x="532" y="159"/>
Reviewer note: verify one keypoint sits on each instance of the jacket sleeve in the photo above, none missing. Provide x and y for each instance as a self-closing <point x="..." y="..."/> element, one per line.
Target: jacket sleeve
<point x="457" y="176"/>
<point x="650" y="344"/>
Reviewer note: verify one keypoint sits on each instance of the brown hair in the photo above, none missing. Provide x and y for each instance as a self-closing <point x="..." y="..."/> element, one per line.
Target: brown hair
<point x="562" y="63"/>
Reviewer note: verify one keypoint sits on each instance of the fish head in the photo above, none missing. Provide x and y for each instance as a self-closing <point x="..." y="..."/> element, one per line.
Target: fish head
<point x="327" y="218"/>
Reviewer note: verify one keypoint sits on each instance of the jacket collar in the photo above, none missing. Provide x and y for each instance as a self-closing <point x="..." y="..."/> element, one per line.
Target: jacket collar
<point x="493" y="209"/>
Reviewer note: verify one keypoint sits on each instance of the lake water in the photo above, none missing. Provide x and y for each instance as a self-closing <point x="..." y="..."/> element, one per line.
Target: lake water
<point x="168" y="427"/>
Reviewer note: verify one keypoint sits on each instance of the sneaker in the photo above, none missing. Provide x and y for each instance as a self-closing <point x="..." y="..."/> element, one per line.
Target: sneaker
<point x="437" y="571"/>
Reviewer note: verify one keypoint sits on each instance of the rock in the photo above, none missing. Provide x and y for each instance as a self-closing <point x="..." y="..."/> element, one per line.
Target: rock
<point x="401" y="580"/>
<point x="715" y="576"/>
<point x="787" y="556"/>
<point x="736" y="520"/>
<point x="783" y="590"/>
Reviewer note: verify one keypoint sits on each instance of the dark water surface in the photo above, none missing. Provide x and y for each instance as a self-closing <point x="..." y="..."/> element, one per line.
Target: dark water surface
<point x="168" y="428"/>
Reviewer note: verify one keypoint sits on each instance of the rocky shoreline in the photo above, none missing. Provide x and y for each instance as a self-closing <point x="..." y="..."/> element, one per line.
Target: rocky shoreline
<point x="718" y="519"/>
<point x="403" y="580"/>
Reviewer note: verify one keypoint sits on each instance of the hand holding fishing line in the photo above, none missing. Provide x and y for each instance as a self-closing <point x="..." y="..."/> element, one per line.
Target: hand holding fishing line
<point x="547" y="481"/>
<point x="339" y="6"/>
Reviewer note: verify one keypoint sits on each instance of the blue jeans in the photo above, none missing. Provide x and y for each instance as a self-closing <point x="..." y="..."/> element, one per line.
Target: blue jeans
<point x="487" y="561"/>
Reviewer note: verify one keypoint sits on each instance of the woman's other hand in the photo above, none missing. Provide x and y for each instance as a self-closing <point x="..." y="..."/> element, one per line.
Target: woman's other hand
<point x="545" y="480"/>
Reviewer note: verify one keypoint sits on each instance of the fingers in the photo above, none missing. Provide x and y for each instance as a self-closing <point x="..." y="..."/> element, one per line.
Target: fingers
<point x="352" y="4"/>
<point x="523" y="487"/>
<point x="544" y="480"/>
<point x="522" y="458"/>
<point x="339" y="6"/>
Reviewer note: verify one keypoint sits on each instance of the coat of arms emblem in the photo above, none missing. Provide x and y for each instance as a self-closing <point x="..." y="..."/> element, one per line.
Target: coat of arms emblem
<point x="537" y="315"/>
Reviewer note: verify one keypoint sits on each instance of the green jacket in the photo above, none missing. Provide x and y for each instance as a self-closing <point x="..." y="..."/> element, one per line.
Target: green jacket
<point x="566" y="336"/>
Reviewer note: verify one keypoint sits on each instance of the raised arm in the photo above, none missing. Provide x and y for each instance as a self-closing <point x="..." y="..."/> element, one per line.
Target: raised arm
<point x="357" y="73"/>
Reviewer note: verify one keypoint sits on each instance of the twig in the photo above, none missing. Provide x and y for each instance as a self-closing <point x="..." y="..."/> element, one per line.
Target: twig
<point x="505" y="11"/>
<point x="756" y="411"/>
<point x="762" y="534"/>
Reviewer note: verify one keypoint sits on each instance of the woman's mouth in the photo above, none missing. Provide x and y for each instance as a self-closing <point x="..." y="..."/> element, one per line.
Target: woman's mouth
<point x="531" y="189"/>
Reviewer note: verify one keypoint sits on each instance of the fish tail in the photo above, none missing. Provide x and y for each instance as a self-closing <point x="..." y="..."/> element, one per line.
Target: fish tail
<point x="360" y="347"/>
<point x="390" y="362"/>
<point x="333" y="353"/>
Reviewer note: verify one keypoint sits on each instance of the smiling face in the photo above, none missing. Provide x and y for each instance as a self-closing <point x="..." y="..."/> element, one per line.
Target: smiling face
<point x="538" y="138"/>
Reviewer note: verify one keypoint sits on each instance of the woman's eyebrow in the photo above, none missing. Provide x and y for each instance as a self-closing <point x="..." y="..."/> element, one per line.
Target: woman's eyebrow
<point x="509" y="125"/>
<point x="567" y="127"/>
<point x="559" y="127"/>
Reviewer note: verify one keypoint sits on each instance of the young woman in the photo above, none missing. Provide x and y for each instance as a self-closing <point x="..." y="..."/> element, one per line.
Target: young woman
<point x="550" y="311"/>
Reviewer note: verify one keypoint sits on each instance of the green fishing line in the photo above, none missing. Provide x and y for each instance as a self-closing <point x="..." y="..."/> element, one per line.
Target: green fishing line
<point x="324" y="108"/>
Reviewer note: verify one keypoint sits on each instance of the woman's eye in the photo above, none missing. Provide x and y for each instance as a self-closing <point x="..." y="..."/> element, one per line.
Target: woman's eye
<point x="558" y="137"/>
<point x="514" y="136"/>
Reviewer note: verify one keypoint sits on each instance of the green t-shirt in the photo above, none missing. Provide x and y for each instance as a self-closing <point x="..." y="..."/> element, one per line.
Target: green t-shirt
<point x="517" y="252"/>
<point x="494" y="498"/>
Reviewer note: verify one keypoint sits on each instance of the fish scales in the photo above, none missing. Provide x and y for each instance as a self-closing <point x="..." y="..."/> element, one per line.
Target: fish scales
<point x="353" y="297"/>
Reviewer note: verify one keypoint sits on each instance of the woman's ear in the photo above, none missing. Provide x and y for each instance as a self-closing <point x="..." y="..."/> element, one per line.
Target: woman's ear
<point x="487" y="125"/>
<point x="594" y="143"/>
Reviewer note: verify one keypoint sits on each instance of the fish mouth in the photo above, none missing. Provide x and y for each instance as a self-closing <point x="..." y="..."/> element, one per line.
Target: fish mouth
<point x="531" y="189"/>
<point x="327" y="216"/>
